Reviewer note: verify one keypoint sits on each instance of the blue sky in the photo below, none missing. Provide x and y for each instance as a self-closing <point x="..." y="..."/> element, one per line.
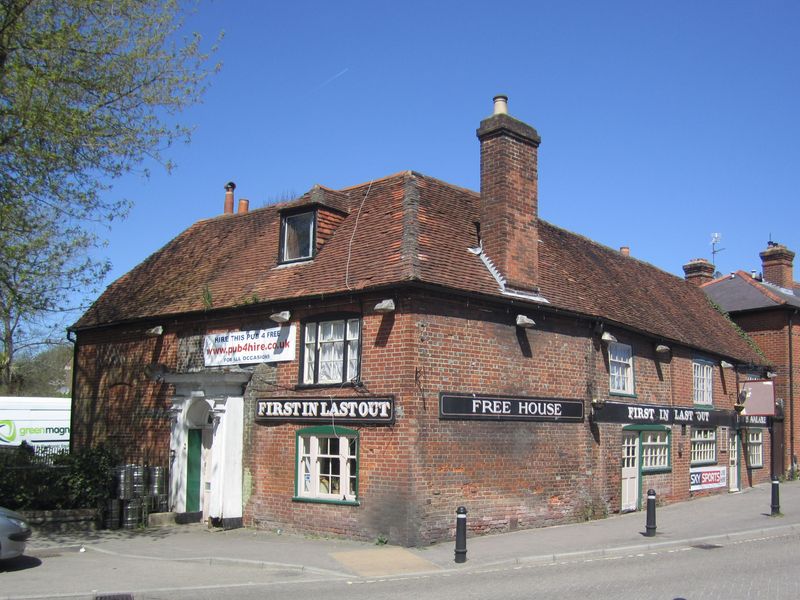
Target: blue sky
<point x="661" y="123"/>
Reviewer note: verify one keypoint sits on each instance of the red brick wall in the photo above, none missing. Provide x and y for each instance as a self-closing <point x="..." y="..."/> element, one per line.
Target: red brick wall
<point x="115" y="401"/>
<point x="384" y="469"/>
<point x="415" y="473"/>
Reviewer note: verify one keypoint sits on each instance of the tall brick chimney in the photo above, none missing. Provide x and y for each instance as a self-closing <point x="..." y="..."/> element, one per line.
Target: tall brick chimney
<point x="776" y="265"/>
<point x="509" y="196"/>
<point x="698" y="271"/>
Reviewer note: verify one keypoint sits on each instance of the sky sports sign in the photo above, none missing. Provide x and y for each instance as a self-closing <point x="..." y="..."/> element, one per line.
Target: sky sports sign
<point x="246" y="347"/>
<point x="704" y="478"/>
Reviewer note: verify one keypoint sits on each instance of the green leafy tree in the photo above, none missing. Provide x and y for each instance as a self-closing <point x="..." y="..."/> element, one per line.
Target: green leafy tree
<point x="46" y="373"/>
<point x="89" y="90"/>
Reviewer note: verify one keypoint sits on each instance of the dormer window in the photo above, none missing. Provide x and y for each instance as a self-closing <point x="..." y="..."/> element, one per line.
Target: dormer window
<point x="297" y="236"/>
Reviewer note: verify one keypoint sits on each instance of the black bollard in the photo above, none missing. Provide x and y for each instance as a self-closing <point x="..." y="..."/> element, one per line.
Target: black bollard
<point x="461" y="534"/>
<point x="776" y="498"/>
<point x="650" y="527"/>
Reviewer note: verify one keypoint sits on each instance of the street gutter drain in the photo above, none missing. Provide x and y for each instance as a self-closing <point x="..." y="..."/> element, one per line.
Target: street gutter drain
<point x="114" y="597"/>
<point x="706" y="546"/>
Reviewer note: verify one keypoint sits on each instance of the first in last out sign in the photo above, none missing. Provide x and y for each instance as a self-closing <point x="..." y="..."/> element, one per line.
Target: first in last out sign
<point x="364" y="410"/>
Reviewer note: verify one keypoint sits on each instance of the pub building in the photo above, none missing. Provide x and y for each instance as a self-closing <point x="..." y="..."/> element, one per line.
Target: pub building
<point x="390" y="351"/>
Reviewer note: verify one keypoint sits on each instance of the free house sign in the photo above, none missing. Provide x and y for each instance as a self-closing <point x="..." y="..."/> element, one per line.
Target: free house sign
<point x="508" y="408"/>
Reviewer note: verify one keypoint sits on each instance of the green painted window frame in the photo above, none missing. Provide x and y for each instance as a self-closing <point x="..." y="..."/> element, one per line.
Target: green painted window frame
<point x="651" y="428"/>
<point x="326" y="431"/>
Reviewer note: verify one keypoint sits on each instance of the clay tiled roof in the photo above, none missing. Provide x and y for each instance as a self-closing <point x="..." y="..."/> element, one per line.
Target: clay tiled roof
<point x="406" y="227"/>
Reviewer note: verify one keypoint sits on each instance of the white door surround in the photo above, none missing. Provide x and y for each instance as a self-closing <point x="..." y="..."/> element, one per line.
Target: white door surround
<point x="214" y="401"/>
<point x="733" y="461"/>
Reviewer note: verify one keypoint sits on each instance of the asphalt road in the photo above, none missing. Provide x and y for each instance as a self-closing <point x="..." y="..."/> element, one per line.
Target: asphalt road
<point x="755" y="568"/>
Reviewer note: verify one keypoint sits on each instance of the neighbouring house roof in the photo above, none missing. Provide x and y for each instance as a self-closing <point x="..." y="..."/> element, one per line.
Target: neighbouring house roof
<point x="405" y="228"/>
<point x="740" y="291"/>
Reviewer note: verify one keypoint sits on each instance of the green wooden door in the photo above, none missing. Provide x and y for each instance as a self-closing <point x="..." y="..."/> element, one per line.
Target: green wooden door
<point x="193" y="470"/>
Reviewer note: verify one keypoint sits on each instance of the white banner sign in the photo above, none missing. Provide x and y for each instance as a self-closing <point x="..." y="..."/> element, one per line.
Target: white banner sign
<point x="256" y="346"/>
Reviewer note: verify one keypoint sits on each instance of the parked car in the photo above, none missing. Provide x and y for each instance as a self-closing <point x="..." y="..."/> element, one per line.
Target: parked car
<point x="14" y="532"/>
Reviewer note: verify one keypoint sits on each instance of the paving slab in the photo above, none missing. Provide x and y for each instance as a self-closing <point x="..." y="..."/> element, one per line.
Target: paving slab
<point x="385" y="561"/>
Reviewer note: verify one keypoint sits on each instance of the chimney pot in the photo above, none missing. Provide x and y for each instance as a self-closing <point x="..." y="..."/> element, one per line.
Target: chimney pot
<point x="244" y="205"/>
<point x="500" y="105"/>
<point x="625" y="250"/>
<point x="228" y="206"/>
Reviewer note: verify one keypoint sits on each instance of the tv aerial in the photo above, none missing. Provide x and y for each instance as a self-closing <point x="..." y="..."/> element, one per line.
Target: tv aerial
<point x="716" y="238"/>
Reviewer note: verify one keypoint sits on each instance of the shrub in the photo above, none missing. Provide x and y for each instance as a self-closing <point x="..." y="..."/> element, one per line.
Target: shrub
<point x="80" y="480"/>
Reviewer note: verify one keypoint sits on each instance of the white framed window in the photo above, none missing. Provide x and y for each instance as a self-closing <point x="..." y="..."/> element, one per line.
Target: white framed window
<point x="655" y="450"/>
<point x="703" y="377"/>
<point x="297" y="236"/>
<point x="331" y="351"/>
<point x="327" y="464"/>
<point x="704" y="446"/>
<point x="620" y="368"/>
<point x="755" y="448"/>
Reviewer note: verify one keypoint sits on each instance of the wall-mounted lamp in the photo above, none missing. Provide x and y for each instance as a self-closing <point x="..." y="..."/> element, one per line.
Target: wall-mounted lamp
<point x="608" y="338"/>
<point x="725" y="364"/>
<point x="525" y="322"/>
<point x="281" y="317"/>
<point x="598" y="403"/>
<point x="385" y="306"/>
<point x="663" y="349"/>
<point x="771" y="374"/>
<point x="154" y="331"/>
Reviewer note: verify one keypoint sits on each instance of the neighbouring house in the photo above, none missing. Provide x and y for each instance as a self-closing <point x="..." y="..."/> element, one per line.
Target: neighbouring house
<point x="766" y="305"/>
<point x="363" y="361"/>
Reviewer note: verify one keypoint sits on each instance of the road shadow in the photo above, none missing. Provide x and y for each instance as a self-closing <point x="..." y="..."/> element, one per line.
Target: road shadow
<point x="43" y="538"/>
<point x="20" y="563"/>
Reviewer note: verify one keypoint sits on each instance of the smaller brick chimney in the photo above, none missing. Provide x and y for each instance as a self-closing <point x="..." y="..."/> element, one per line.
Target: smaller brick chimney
<point x="244" y="205"/>
<point x="698" y="271"/>
<point x="776" y="265"/>
<point x="509" y="196"/>
<point x="228" y="207"/>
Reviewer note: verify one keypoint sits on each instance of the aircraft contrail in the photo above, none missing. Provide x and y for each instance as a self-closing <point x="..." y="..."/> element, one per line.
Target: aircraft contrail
<point x="339" y="74"/>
